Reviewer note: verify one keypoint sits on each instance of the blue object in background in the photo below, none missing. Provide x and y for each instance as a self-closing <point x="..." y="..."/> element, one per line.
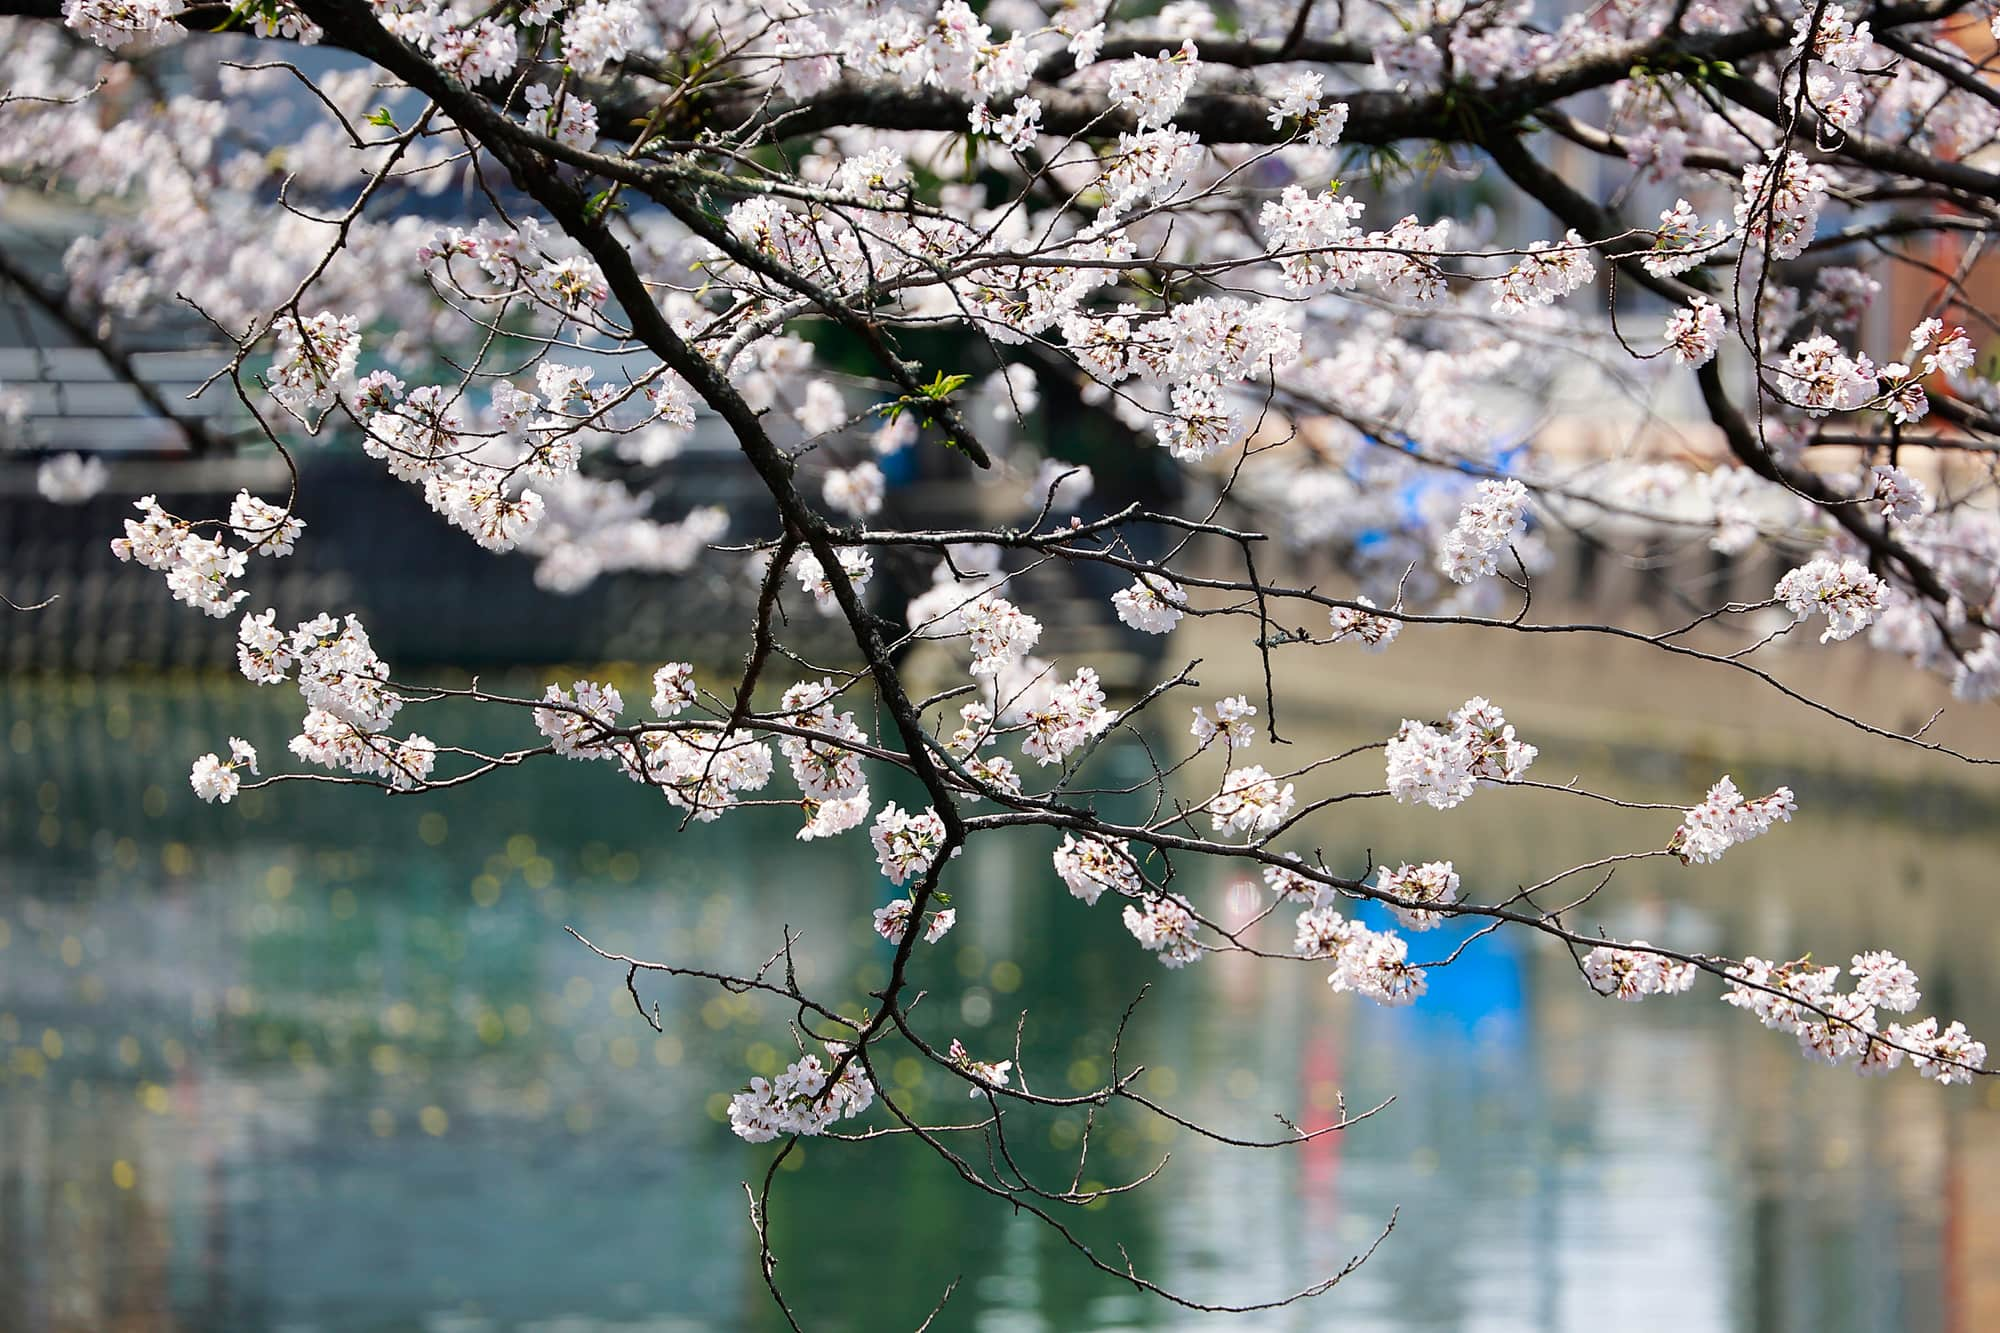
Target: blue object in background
<point x="1482" y="995"/>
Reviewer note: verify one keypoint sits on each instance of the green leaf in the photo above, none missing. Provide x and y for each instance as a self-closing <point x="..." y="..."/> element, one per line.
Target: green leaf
<point x="942" y="385"/>
<point x="599" y="204"/>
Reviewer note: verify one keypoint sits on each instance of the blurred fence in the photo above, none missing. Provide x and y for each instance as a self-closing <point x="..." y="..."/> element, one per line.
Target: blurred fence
<point x="426" y="592"/>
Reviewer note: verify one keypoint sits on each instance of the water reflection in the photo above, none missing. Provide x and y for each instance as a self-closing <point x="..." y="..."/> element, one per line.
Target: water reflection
<point x="327" y="1061"/>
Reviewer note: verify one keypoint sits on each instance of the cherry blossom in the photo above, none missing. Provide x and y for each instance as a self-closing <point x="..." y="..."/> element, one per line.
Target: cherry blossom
<point x="1489" y="521"/>
<point x="583" y="715"/>
<point x="69" y="479"/>
<point x="1842" y="590"/>
<point x="1725" y="818"/>
<point x="1636" y="972"/>
<point x="1152" y="606"/>
<point x="1440" y="766"/>
<point x="673" y="688"/>
<point x="1431" y="882"/>
<point x="1165" y="924"/>
<point x="1695" y="331"/>
<point x="1358" y="624"/>
<point x="1089" y="866"/>
<point x="887" y="271"/>
<point x="1231" y="722"/>
<point x="855" y="491"/>
<point x="906" y="844"/>
<point x="981" y="1071"/>
<point x="1251" y="801"/>
<point x="805" y="1099"/>
<point x="215" y="779"/>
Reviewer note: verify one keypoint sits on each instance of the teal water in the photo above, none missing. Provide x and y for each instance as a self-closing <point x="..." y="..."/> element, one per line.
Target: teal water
<point x="323" y="1060"/>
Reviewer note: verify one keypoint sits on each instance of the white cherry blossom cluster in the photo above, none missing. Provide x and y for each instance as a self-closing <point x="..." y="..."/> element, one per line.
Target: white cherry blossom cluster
<point x="579" y="726"/>
<point x="1165" y="924"/>
<point x="906" y="844"/>
<point x="1936" y="351"/>
<point x="1153" y="88"/>
<point x="1940" y="349"/>
<point x="991" y="1074"/>
<point x="1069" y="715"/>
<point x="828" y="772"/>
<point x="1360" y="624"/>
<point x="1201" y="421"/>
<point x="597" y="32"/>
<point x="1843" y="590"/>
<point x="1902" y="497"/>
<point x="1835" y="39"/>
<point x="1694" y="332"/>
<point x="674" y="688"/>
<point x="523" y="258"/>
<point x="1369" y="962"/>
<point x="1492" y="519"/>
<point x="1088" y="866"/>
<point x="1779" y="202"/>
<point x="1839" y="45"/>
<point x="215" y="779"/>
<point x="892" y="922"/>
<point x="1440" y="766"/>
<point x="975" y="729"/>
<point x="330" y="740"/>
<point x="71" y="479"/>
<point x="423" y="439"/>
<point x="855" y="562"/>
<point x="113" y="24"/>
<point x="1635" y="972"/>
<point x="1301" y="100"/>
<point x="344" y="684"/>
<point x="1547" y="273"/>
<point x="264" y="528"/>
<point x="1014" y="129"/>
<point x="1000" y="633"/>
<point x="1725" y="818"/>
<point x="1822" y="378"/>
<point x="1251" y="802"/>
<point x="699" y="771"/>
<point x="1294" y="887"/>
<point x="316" y="357"/>
<point x="201" y="571"/>
<point x="1682" y="241"/>
<point x="996" y="771"/>
<point x="567" y="117"/>
<point x="1231" y="722"/>
<point x="1152" y="605"/>
<point x="806" y="1099"/>
<point x="1424" y="887"/>
<point x="1319" y="244"/>
<point x="1842" y="1028"/>
<point x="338" y="670"/>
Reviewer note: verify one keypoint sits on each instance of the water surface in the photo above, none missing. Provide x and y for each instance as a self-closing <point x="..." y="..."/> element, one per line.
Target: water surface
<point x="326" y="1061"/>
